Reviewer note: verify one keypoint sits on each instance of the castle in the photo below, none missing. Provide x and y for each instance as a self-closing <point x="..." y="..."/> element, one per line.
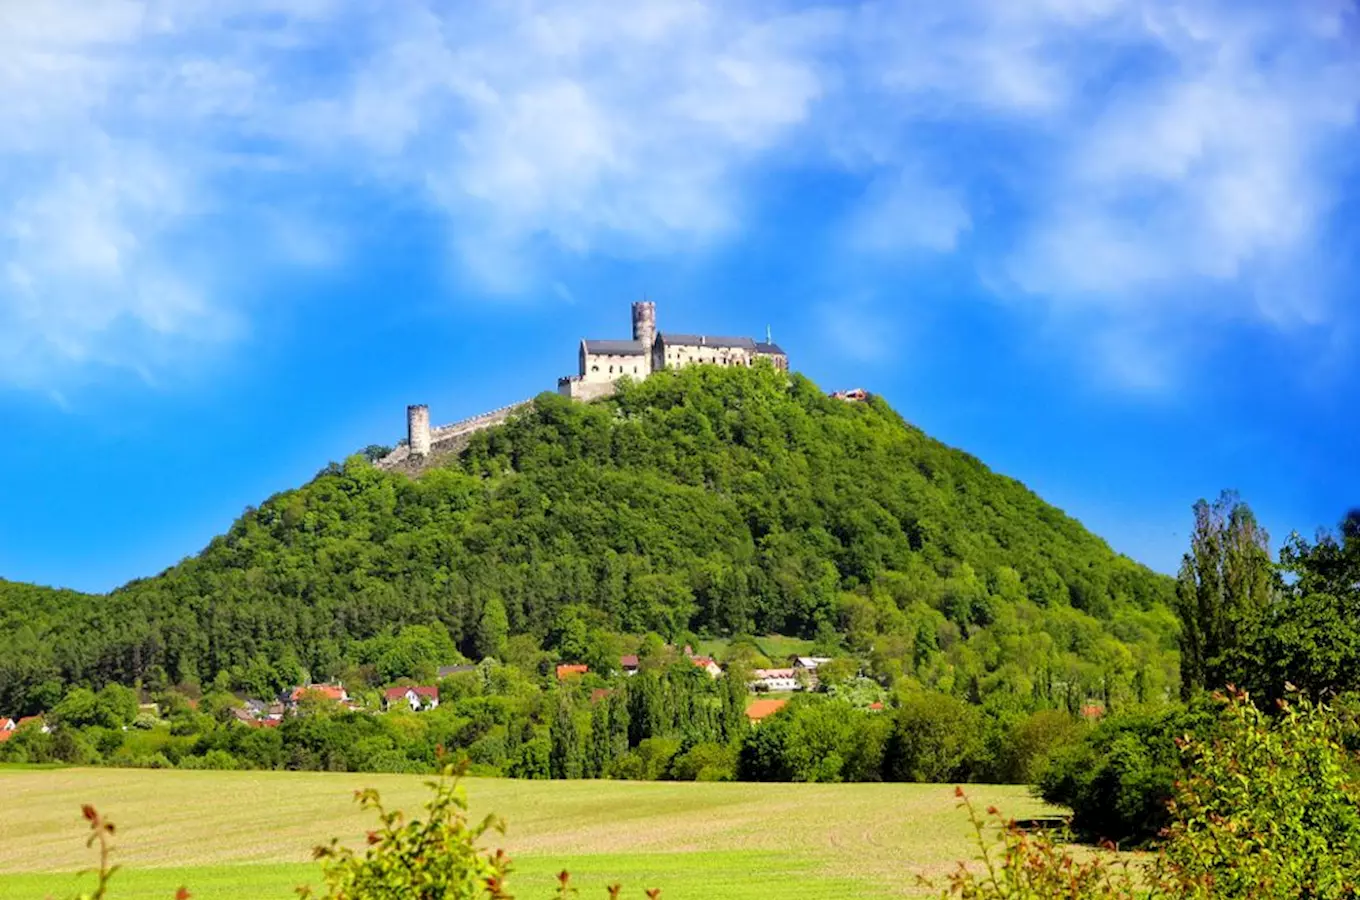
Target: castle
<point x="602" y="364"/>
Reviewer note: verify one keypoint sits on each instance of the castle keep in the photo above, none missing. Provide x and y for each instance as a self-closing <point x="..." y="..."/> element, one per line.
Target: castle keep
<point x="601" y="364"/>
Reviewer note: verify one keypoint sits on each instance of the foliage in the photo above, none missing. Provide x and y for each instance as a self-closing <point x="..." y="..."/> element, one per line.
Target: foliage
<point x="1269" y="808"/>
<point x="701" y="500"/>
<point x="1223" y="588"/>
<point x="1118" y="780"/>
<point x="437" y="857"/>
<point x="1034" y="866"/>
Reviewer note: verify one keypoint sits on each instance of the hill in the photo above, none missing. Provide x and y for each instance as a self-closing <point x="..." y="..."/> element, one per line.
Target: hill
<point x="706" y="500"/>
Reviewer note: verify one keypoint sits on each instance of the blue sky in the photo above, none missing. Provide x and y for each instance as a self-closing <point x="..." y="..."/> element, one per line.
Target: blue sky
<point x="1108" y="247"/>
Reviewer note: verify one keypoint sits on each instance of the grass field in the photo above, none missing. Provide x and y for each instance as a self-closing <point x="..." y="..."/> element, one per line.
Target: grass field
<point x="247" y="835"/>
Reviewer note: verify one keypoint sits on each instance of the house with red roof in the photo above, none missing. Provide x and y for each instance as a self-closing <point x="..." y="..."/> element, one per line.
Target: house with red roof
<point x="629" y="663"/>
<point x="333" y="692"/>
<point x="708" y="664"/>
<point x="759" y="710"/>
<point x="571" y="670"/>
<point x="418" y="697"/>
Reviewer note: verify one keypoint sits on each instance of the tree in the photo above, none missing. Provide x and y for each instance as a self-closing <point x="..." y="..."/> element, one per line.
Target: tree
<point x="492" y="629"/>
<point x="1223" y="588"/>
<point x="564" y="759"/>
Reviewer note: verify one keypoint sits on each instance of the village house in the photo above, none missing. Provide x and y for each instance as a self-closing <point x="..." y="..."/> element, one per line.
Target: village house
<point x="333" y="692"/>
<point x="708" y="664"/>
<point x="805" y="669"/>
<point x="771" y="680"/>
<point x="628" y="663"/>
<point x="571" y="670"/>
<point x="418" y="697"/>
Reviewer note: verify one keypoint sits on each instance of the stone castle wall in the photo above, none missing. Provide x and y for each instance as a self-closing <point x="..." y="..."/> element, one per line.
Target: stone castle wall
<point x="447" y="439"/>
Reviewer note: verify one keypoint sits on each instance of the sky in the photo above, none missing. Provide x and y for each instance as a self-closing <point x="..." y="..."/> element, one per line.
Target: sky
<point x="1108" y="247"/>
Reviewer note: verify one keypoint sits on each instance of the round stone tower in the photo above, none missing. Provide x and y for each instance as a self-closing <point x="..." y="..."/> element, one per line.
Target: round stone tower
<point x="644" y="329"/>
<point x="418" y="429"/>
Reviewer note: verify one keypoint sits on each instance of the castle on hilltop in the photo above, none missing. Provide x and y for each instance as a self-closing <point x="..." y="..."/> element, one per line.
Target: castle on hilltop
<point x="602" y="364"/>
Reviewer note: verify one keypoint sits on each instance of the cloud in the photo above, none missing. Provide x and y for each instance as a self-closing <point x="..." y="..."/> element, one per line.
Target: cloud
<point x="1119" y="167"/>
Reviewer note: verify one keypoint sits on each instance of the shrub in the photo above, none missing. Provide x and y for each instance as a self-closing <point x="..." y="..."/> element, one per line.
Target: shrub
<point x="1118" y="778"/>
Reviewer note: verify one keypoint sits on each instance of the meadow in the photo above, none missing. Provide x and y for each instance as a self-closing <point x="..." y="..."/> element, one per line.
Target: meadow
<point x="248" y="835"/>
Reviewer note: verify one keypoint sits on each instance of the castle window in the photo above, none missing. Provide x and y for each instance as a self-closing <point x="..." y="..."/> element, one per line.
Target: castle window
<point x="594" y="368"/>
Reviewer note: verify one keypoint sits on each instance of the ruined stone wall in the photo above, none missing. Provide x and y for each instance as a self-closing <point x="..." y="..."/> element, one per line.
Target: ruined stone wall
<point x="446" y="439"/>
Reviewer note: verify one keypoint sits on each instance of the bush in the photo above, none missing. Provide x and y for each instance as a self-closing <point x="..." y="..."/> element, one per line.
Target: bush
<point x="1118" y="779"/>
<point x="1269" y="811"/>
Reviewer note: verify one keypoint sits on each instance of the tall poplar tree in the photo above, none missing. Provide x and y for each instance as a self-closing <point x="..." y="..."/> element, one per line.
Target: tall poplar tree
<point x="1224" y="586"/>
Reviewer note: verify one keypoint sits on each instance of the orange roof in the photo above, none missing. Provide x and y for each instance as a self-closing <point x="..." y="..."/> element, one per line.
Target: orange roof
<point x="5" y="735"/>
<point x="567" y="669"/>
<point x="6" y="724"/>
<point x="760" y="709"/>
<point x="1092" y="711"/>
<point x="329" y="691"/>
<point x="702" y="662"/>
<point x="876" y="706"/>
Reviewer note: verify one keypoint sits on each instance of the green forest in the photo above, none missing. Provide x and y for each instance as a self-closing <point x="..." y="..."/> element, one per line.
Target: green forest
<point x="703" y="502"/>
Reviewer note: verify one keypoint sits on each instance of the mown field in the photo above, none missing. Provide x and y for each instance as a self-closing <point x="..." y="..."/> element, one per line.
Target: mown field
<point x="247" y="835"/>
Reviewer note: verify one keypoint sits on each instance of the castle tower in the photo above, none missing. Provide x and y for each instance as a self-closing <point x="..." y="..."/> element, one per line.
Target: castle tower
<point x="418" y="429"/>
<point x="644" y="326"/>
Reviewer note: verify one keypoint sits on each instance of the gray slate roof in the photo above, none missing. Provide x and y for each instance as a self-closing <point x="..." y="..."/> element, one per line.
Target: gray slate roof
<point x="708" y="340"/>
<point x="772" y="349"/>
<point x="615" y="348"/>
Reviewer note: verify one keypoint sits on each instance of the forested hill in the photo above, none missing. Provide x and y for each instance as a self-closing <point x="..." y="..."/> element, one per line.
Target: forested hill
<point x="708" y="500"/>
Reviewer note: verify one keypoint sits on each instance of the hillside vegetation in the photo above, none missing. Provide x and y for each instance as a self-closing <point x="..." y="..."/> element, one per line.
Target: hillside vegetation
<point x="703" y="501"/>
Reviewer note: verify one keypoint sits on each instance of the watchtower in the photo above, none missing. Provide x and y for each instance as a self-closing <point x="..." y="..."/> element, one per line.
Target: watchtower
<point x="644" y="324"/>
<point x="418" y="429"/>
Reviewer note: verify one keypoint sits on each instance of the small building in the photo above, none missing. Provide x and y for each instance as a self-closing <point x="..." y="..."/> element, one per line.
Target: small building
<point x="708" y="664"/>
<point x="418" y="697"/>
<point x="7" y="724"/>
<point x="854" y="395"/>
<point x="571" y="670"/>
<point x="759" y="710"/>
<point x="628" y="664"/>
<point x="775" y="680"/>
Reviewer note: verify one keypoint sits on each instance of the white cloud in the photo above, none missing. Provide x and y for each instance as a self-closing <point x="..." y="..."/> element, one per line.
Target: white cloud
<point x="1124" y="165"/>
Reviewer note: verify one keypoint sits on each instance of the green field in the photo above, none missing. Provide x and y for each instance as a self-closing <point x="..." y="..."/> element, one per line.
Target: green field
<point x="247" y="835"/>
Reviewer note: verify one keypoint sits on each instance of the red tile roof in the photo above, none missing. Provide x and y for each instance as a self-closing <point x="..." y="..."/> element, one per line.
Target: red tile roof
<point x="629" y="661"/>
<point x="760" y="709"/>
<point x="5" y="735"/>
<point x="568" y="669"/>
<point x="6" y="724"/>
<point x="876" y="706"/>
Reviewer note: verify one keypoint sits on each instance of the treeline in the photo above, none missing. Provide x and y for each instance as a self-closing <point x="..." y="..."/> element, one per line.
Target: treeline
<point x="704" y="501"/>
<point x="672" y="721"/>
